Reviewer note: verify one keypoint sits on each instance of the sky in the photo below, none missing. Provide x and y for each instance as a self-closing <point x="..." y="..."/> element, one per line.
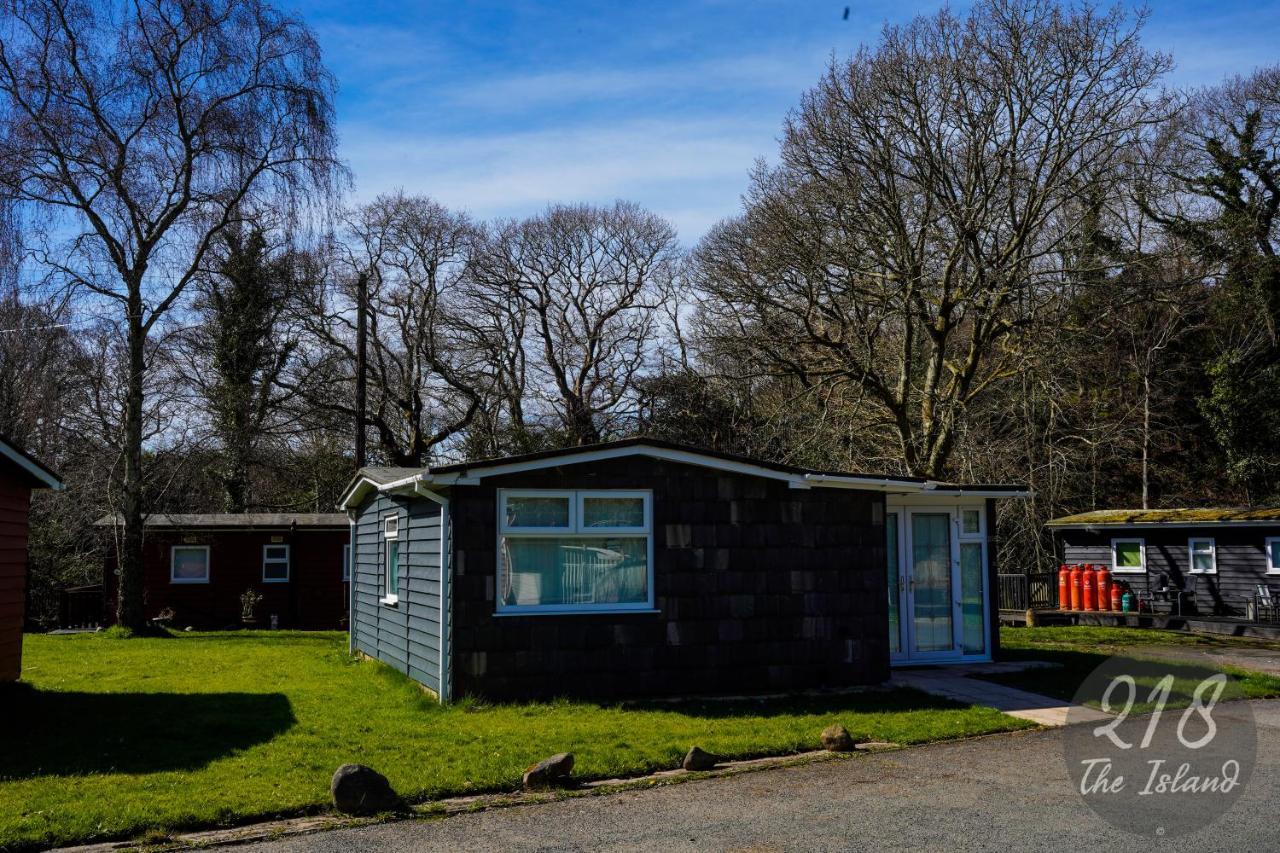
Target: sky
<point x="500" y="109"/>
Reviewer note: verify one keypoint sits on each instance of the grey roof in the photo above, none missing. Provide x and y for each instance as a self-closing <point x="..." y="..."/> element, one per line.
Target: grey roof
<point x="387" y="474"/>
<point x="233" y="520"/>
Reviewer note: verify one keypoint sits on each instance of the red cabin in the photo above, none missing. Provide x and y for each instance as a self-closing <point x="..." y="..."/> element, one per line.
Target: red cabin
<point x="196" y="568"/>
<point x="19" y="475"/>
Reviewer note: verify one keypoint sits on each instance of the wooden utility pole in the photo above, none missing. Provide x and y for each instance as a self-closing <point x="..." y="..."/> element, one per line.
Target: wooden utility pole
<point x="362" y="333"/>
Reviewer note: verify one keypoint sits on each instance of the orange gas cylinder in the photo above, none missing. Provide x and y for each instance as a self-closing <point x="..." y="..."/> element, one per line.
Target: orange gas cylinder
<point x="1104" y="588"/>
<point x="1117" y="596"/>
<point x="1064" y="587"/>
<point x="1077" y="579"/>
<point x="1088" y="592"/>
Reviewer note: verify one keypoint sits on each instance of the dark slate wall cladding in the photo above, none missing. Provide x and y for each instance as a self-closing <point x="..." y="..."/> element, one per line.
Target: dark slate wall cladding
<point x="758" y="586"/>
<point x="407" y="635"/>
<point x="1242" y="560"/>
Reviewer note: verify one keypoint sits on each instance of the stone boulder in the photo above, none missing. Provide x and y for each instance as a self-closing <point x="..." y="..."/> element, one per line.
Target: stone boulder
<point x="836" y="738"/>
<point x="550" y="772"/>
<point x="699" y="759"/>
<point x="360" y="790"/>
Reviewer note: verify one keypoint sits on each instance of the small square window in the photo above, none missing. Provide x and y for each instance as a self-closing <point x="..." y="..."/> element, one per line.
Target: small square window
<point x="189" y="564"/>
<point x="1204" y="558"/>
<point x="275" y="563"/>
<point x="1128" y="555"/>
<point x="971" y="522"/>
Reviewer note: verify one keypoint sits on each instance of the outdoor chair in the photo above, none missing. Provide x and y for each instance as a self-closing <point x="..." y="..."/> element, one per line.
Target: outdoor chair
<point x="1264" y="605"/>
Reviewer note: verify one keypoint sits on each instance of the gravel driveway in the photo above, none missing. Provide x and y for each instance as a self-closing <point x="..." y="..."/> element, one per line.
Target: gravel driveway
<point x="1001" y="792"/>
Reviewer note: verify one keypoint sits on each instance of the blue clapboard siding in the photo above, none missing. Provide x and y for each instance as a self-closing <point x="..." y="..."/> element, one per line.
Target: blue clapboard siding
<point x="406" y="635"/>
<point x="1241" y="553"/>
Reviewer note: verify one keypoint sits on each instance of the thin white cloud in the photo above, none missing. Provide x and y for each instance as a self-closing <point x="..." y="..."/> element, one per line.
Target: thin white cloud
<point x="691" y="172"/>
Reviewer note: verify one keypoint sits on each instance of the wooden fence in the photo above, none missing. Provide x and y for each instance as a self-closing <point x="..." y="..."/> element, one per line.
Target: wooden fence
<point x="1032" y="591"/>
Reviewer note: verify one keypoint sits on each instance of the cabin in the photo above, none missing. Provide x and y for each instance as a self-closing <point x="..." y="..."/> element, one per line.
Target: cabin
<point x="20" y="474"/>
<point x="1197" y="561"/>
<point x="645" y="568"/>
<point x="196" y="568"/>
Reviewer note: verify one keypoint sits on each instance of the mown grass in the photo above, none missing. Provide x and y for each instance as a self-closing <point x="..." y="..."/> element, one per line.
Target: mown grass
<point x="117" y="737"/>
<point x="1079" y="651"/>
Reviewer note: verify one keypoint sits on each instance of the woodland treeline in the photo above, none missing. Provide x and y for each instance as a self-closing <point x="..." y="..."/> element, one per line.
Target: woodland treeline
<point x="992" y="247"/>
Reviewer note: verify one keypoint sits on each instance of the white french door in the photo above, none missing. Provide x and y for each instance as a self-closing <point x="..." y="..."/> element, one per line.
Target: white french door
<point x="937" y="573"/>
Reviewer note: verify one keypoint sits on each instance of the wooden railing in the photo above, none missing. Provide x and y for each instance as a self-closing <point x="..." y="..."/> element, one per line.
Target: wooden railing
<point x="1033" y="591"/>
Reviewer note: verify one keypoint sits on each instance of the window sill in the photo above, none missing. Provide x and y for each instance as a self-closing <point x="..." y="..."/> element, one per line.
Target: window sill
<point x="275" y="580"/>
<point x="602" y="612"/>
<point x="1141" y="571"/>
<point x="390" y="600"/>
<point x="184" y="582"/>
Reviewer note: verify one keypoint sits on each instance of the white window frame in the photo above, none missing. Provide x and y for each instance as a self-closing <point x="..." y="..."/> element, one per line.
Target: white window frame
<point x="1273" y="543"/>
<point x="275" y="561"/>
<point x="1116" y="568"/>
<point x="208" y="567"/>
<point x="567" y="494"/>
<point x="1191" y="555"/>
<point x="390" y="533"/>
<point x="575" y="530"/>
<point x="346" y="563"/>
<point x="981" y="533"/>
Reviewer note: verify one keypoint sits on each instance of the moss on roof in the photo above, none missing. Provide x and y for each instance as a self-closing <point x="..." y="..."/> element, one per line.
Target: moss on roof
<point x="1205" y="515"/>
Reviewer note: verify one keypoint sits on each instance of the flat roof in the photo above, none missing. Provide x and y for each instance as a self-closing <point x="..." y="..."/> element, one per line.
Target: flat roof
<point x="1180" y="516"/>
<point x="428" y="481"/>
<point x="238" y="521"/>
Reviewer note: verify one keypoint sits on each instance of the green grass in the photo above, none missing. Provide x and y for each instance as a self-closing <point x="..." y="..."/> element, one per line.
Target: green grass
<point x="1080" y="650"/>
<point x="119" y="737"/>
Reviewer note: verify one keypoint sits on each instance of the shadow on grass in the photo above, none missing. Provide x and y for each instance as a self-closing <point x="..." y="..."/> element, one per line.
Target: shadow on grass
<point x="53" y="733"/>
<point x="1074" y="667"/>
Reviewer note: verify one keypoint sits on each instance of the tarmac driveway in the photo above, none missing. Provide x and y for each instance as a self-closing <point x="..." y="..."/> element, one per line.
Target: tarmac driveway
<point x="1002" y="792"/>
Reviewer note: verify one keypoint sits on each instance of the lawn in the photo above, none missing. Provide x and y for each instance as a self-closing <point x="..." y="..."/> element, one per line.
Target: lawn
<point x="123" y="737"/>
<point x="1081" y="650"/>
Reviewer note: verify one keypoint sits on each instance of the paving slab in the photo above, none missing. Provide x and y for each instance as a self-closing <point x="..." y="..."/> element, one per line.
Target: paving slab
<point x="954" y="683"/>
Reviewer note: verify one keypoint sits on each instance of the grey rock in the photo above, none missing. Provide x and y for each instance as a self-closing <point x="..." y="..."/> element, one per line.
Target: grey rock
<point x="836" y="738"/>
<point x="699" y="759"/>
<point x="360" y="790"/>
<point x="550" y="772"/>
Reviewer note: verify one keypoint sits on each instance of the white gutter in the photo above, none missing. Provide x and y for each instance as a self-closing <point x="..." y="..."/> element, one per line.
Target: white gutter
<point x="19" y="459"/>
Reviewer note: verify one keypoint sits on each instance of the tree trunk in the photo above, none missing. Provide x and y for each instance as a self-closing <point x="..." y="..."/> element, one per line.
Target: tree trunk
<point x="130" y="612"/>
<point x="1146" y="433"/>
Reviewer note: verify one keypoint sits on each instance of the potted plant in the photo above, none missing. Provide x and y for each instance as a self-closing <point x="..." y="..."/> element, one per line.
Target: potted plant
<point x="248" y="605"/>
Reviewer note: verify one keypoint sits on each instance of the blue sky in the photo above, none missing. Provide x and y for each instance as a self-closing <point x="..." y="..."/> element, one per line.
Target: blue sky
<point x="501" y="108"/>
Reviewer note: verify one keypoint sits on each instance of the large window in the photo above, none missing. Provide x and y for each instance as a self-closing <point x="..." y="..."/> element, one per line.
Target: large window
<point x="1128" y="556"/>
<point x="275" y="563"/>
<point x="189" y="564"/>
<point x="1203" y="556"/>
<point x="574" y="551"/>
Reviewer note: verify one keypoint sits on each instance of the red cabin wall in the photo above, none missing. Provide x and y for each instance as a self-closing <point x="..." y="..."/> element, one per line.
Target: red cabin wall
<point x="15" y="504"/>
<point x="314" y="598"/>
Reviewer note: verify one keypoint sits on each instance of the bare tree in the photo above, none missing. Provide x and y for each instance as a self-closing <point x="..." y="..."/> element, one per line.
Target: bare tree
<point x="591" y="281"/>
<point x="918" y="215"/>
<point x="139" y="132"/>
<point x="409" y="253"/>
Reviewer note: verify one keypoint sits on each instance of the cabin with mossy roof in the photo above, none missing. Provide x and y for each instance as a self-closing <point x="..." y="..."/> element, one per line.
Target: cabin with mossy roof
<point x="1219" y="561"/>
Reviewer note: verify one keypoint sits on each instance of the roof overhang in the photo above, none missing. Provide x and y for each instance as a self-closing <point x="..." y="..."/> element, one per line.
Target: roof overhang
<point x="430" y="484"/>
<point x="45" y="478"/>
<point x="1125" y="525"/>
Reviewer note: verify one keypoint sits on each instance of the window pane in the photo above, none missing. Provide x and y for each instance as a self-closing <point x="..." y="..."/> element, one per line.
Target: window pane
<point x="190" y="564"/>
<point x="277" y="552"/>
<point x="971" y="521"/>
<point x="600" y="570"/>
<point x="1202" y="562"/>
<point x="613" y="512"/>
<point x="891" y="549"/>
<point x="931" y="570"/>
<point x="393" y="567"/>
<point x="537" y="512"/>
<point x="1129" y="555"/>
<point x="973" y="627"/>
<point x="275" y="571"/>
<point x="1273" y="552"/>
